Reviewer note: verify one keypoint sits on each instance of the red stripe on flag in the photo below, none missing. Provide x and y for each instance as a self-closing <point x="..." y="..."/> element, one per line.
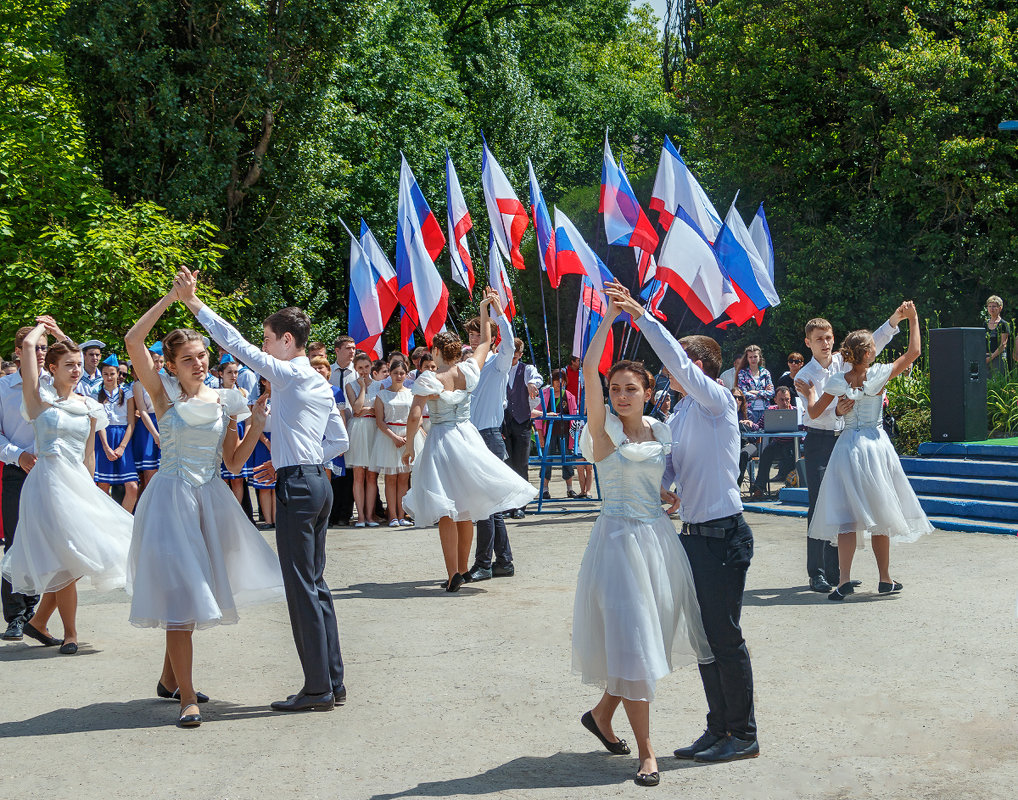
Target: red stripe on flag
<point x="664" y="218"/>
<point x="683" y="290"/>
<point x="513" y="207"/>
<point x="434" y="239"/>
<point x="438" y="317"/>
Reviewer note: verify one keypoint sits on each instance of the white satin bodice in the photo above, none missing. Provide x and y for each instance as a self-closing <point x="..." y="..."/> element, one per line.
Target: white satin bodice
<point x="448" y="406"/>
<point x="62" y="429"/>
<point x="868" y="411"/>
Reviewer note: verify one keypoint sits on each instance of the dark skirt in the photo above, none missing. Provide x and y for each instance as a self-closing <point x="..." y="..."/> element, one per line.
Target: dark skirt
<point x="120" y="471"/>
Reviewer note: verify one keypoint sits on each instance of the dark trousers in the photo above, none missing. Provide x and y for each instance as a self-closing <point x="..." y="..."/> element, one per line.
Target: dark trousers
<point x="492" y="537"/>
<point x="303" y="502"/>
<point x="15" y="605"/>
<point x="821" y="555"/>
<point x="342" y="493"/>
<point x="517" y="445"/>
<point x="780" y="451"/>
<point x="719" y="563"/>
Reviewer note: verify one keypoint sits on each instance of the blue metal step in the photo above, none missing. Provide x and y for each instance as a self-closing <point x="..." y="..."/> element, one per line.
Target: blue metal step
<point x="961" y="450"/>
<point x="1003" y="511"/>
<point x="964" y="488"/>
<point x="942" y="523"/>
<point x="961" y="468"/>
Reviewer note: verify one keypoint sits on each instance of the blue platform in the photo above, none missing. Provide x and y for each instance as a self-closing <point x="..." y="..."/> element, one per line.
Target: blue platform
<point x="962" y="487"/>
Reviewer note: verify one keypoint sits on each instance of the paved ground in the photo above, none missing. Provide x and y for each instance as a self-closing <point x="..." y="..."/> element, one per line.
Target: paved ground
<point x="468" y="695"/>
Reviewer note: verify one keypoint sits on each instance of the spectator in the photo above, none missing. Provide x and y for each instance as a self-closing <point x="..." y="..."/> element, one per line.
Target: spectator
<point x="558" y="400"/>
<point x="749" y="448"/>
<point x="997" y="334"/>
<point x="795" y="362"/>
<point x="781" y="449"/>
<point x="756" y="383"/>
<point x="730" y="377"/>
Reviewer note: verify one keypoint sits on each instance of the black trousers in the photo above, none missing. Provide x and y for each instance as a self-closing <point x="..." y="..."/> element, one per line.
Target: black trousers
<point x="821" y="555"/>
<point x="15" y="605"/>
<point x="517" y="445"/>
<point x="781" y="452"/>
<point x="342" y="503"/>
<point x="492" y="537"/>
<point x="303" y="502"/>
<point x="719" y="563"/>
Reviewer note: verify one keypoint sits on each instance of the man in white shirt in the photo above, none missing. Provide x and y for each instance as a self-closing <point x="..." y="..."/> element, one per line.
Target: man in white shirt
<point x="704" y="468"/>
<point x="345" y="348"/>
<point x="308" y="432"/>
<point x="487" y="409"/>
<point x="822" y="432"/>
<point x="17" y="451"/>
<point x="342" y="485"/>
<point x="524" y="383"/>
<point x="91" y="377"/>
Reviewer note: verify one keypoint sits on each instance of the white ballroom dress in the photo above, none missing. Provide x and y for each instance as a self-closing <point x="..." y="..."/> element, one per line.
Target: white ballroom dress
<point x="635" y="617"/>
<point x="864" y="488"/>
<point x="67" y="528"/>
<point x="195" y="557"/>
<point x="456" y="475"/>
<point x="387" y="458"/>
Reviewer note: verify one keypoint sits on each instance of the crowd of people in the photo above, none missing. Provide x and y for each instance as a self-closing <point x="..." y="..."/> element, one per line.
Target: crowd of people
<point x="448" y="433"/>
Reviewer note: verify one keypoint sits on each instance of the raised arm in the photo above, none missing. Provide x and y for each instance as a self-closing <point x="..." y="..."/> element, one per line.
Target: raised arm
<point x="905" y="360"/>
<point x="34" y="405"/>
<point x="140" y="357"/>
<point x="593" y="403"/>
<point x="490" y="301"/>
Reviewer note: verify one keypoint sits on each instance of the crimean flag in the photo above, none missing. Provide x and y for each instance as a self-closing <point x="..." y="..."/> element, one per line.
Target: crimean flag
<point x="459" y="224"/>
<point x="386" y="282"/>
<point x="590" y="311"/>
<point x="676" y="186"/>
<point x="545" y="230"/>
<point x="498" y="278"/>
<point x="506" y="213"/>
<point x="760" y="233"/>
<point x="365" y="322"/>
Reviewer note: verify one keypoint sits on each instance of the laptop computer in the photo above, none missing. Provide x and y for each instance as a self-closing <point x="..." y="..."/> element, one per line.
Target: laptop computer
<point x="781" y="420"/>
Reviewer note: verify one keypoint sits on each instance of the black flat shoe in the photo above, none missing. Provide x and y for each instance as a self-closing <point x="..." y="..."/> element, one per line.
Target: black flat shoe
<point x="189" y="720"/>
<point x="68" y="648"/>
<point x="883" y="588"/>
<point x="619" y="748"/>
<point x="166" y="694"/>
<point x="34" y="633"/>
<point x="455" y="582"/>
<point x="647" y="779"/>
<point x="842" y="592"/>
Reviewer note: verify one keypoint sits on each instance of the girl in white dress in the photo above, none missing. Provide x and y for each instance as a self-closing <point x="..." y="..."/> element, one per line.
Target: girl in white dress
<point x="360" y="397"/>
<point x="636" y="616"/>
<point x="114" y="462"/>
<point x="195" y="557"/>
<point x="68" y="529"/>
<point x="456" y="480"/>
<point x="864" y="489"/>
<point x="392" y="409"/>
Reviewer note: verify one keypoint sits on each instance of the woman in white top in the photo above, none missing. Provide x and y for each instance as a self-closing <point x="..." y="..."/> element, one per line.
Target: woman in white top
<point x="360" y="396"/>
<point x="114" y="459"/>
<point x="392" y="409"/>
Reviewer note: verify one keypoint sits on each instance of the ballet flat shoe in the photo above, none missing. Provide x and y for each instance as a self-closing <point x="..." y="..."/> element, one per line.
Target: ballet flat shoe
<point x="34" y="633"/>
<point x="647" y="779"/>
<point x="68" y="648"/>
<point x="166" y="694"/>
<point x="619" y="748"/>
<point x="189" y="720"/>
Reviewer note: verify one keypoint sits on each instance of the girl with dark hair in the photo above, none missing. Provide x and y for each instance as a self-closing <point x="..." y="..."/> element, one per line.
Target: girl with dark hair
<point x="635" y="616"/>
<point x="360" y="395"/>
<point x="195" y="557"/>
<point x="67" y="528"/>
<point x="865" y="489"/>
<point x="262" y="454"/>
<point x="756" y="383"/>
<point x="392" y="409"/>
<point x="114" y="459"/>
<point x="456" y="479"/>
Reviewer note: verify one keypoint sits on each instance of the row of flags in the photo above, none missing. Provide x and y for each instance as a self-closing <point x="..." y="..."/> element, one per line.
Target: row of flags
<point x="720" y="268"/>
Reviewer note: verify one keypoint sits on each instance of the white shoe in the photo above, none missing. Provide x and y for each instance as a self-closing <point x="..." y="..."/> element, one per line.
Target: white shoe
<point x="359" y="525"/>
<point x="406" y="523"/>
<point x="395" y="523"/>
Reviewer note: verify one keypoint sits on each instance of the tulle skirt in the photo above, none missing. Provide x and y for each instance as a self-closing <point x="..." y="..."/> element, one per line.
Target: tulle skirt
<point x="114" y="472"/>
<point x="457" y="476"/>
<point x="362" y="432"/>
<point x="143" y="446"/>
<point x="635" y="617"/>
<point x="67" y="529"/>
<point x="387" y="458"/>
<point x="195" y="557"/>
<point x="865" y="490"/>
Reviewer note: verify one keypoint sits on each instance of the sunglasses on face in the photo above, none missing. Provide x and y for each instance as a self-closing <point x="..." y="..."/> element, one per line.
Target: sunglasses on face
<point x="795" y="361"/>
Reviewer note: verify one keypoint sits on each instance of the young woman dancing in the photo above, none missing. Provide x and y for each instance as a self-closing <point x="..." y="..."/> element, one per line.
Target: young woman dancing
<point x="195" y="557"/>
<point x="636" y="616"/>
<point x="67" y="528"/>
<point x="865" y="489"/>
<point x="457" y="480"/>
<point x="392" y="409"/>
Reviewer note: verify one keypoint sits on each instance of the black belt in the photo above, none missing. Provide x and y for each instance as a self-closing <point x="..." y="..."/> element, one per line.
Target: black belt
<point x="300" y="469"/>
<point x="822" y="432"/>
<point x="714" y="529"/>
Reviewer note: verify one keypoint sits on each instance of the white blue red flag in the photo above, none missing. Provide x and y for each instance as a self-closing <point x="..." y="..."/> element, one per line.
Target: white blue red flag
<point x="625" y="224"/>
<point x="498" y="278"/>
<point x="760" y="233"/>
<point x="590" y="311"/>
<point x="386" y="282"/>
<point x="364" y="322"/>
<point x="652" y="296"/>
<point x="674" y="186"/>
<point x="574" y="256"/>
<point x="689" y="264"/>
<point x="506" y="213"/>
<point x="459" y="224"/>
<point x="418" y="240"/>
<point x="754" y="285"/>
<point x="544" y="228"/>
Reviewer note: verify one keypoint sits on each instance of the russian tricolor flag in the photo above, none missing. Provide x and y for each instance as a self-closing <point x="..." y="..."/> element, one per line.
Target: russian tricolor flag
<point x="386" y="282"/>
<point x="506" y="213"/>
<point x="653" y="295"/>
<point x="418" y="240"/>
<point x="760" y="233"/>
<point x="575" y="256"/>
<point x="625" y="224"/>
<point x="459" y="224"/>
<point x="365" y="322"/>
<point x="590" y="311"/>
<point x="674" y="186"/>
<point x="746" y="269"/>
<point x="545" y="230"/>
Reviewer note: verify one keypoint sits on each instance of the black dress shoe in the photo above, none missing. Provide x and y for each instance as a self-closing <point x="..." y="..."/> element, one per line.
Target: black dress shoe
<point x="619" y="748"/>
<point x="478" y="573"/>
<point x="731" y="748"/>
<point x="306" y="702"/>
<point x="819" y="584"/>
<point x="503" y="570"/>
<point x="15" y="631"/>
<point x="546" y="495"/>
<point x="340" y="696"/>
<point x="647" y="779"/>
<point x="34" y="633"/>
<point x="166" y="694"/>
<point x="189" y="720"/>
<point x="455" y="582"/>
<point x="571" y="493"/>
<point x="68" y="648"/>
<point x="705" y="742"/>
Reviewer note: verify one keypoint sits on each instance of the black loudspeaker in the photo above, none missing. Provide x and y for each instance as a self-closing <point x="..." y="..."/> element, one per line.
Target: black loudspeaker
<point x="958" y="384"/>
